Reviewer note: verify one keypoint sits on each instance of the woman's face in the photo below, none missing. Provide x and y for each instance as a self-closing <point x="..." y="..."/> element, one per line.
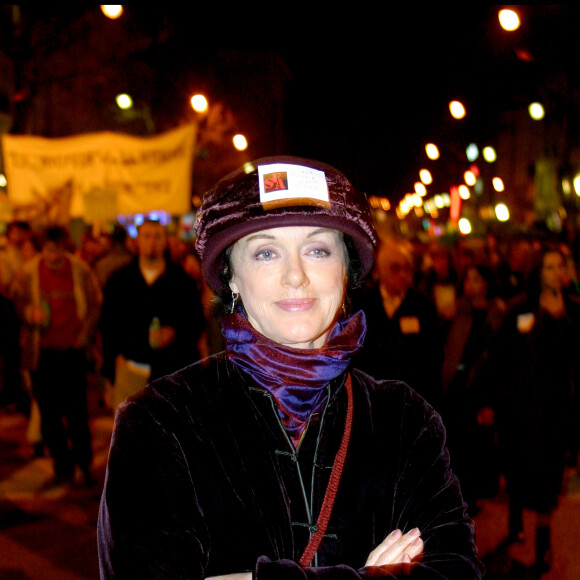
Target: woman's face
<point x="553" y="271"/>
<point x="291" y="281"/>
<point x="474" y="285"/>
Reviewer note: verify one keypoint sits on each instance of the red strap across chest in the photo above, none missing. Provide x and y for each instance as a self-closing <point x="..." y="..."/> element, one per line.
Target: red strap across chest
<point x="334" y="481"/>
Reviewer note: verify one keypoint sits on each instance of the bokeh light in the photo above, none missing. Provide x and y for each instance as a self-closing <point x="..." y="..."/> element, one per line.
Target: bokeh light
<point x="112" y="11"/>
<point x="457" y="110"/>
<point x="199" y="103"/>
<point x="498" y="185"/>
<point x="489" y="154"/>
<point x="124" y="101"/>
<point x="432" y="151"/>
<point x="425" y="177"/>
<point x="472" y="152"/>
<point x="536" y="111"/>
<point x="509" y="19"/>
<point x="240" y="142"/>
<point x="464" y="226"/>
<point x="502" y="212"/>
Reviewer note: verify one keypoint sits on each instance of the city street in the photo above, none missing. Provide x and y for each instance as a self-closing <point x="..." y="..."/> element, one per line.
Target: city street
<point x="51" y="534"/>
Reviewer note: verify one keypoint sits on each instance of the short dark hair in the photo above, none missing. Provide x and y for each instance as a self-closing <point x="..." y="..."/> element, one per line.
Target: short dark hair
<point x="17" y="224"/>
<point x="57" y="235"/>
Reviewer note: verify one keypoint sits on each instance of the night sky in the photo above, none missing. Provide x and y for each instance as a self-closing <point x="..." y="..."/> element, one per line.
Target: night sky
<point x="369" y="88"/>
<point x="400" y="77"/>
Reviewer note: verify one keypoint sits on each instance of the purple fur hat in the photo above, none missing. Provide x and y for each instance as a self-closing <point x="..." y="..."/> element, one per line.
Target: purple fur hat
<point x="275" y="192"/>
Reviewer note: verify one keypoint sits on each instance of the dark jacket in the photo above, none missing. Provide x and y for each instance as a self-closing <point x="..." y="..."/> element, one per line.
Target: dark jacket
<point x="202" y="480"/>
<point x="407" y="347"/>
<point x="129" y="306"/>
<point x="536" y="371"/>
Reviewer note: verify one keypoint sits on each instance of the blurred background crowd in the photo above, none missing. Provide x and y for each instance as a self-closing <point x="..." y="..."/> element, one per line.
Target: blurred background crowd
<point x="473" y="300"/>
<point x="485" y="329"/>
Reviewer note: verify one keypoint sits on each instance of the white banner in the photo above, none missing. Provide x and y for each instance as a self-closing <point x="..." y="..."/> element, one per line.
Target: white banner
<point x="98" y="176"/>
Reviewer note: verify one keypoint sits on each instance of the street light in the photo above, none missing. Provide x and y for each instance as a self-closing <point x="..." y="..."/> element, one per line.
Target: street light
<point x="509" y="19"/>
<point x="576" y="183"/>
<point x="432" y="151"/>
<point x="502" y="212"/>
<point x="498" y="185"/>
<point x="464" y="192"/>
<point x="470" y="178"/>
<point x="124" y="101"/>
<point x="425" y="176"/>
<point x="199" y="103"/>
<point x="489" y="154"/>
<point x="536" y="111"/>
<point x="240" y="142"/>
<point x="464" y="226"/>
<point x="420" y="189"/>
<point x="472" y="152"/>
<point x="457" y="109"/>
<point x="112" y="12"/>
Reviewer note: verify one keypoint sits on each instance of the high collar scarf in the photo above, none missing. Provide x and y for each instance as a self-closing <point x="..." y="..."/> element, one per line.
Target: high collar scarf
<point x="296" y="378"/>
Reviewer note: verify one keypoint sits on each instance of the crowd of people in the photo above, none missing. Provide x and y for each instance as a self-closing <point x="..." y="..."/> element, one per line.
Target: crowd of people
<point x="487" y="333"/>
<point x="115" y="311"/>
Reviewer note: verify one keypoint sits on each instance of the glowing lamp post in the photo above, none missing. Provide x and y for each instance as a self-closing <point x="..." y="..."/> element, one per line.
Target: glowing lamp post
<point x="240" y="142"/>
<point x="457" y="109"/>
<point x="112" y="12"/>
<point x="199" y="103"/>
<point x="509" y="19"/>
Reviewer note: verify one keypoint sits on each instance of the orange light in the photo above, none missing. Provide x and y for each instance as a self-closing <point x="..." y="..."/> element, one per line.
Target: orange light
<point x="240" y="142"/>
<point x="199" y="103"/>
<point x="112" y="12"/>
<point x="457" y="110"/>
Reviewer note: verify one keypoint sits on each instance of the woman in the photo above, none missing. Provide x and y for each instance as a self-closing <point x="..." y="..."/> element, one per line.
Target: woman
<point x="537" y="354"/>
<point x="467" y="407"/>
<point x="274" y="459"/>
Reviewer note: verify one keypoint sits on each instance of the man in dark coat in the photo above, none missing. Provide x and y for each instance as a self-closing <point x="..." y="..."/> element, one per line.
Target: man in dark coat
<point x="150" y="290"/>
<point x="404" y="339"/>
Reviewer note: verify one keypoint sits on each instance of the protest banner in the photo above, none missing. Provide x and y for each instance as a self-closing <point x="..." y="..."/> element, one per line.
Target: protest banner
<point x="98" y="176"/>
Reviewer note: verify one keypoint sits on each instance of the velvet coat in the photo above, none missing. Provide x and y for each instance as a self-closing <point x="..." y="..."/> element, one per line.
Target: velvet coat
<point x="202" y="480"/>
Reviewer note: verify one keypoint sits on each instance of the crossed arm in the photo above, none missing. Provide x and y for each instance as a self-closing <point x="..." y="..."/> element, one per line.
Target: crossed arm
<point x="394" y="553"/>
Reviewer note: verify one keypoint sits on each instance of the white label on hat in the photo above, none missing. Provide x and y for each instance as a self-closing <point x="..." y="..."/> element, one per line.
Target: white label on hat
<point x="286" y="184"/>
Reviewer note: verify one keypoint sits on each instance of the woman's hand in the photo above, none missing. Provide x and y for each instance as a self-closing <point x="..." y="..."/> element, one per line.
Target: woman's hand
<point x="242" y="576"/>
<point x="396" y="553"/>
<point x="397" y="550"/>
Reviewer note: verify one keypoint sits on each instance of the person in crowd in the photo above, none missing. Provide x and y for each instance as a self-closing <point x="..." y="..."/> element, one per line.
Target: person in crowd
<point x="117" y="256"/>
<point x="30" y="248"/>
<point x="439" y="282"/>
<point x="276" y="458"/>
<point x="404" y="338"/>
<point x="464" y="256"/>
<point x="536" y="360"/>
<point x="492" y="252"/>
<point x="11" y="259"/>
<point x="93" y="246"/>
<point x="12" y="252"/>
<point x="514" y="271"/>
<point x="152" y="316"/>
<point x="58" y="299"/>
<point x="10" y="392"/>
<point x="468" y="400"/>
<point x="212" y="340"/>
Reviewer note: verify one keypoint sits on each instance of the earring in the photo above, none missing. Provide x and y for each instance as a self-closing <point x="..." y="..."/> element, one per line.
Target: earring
<point x="234" y="300"/>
